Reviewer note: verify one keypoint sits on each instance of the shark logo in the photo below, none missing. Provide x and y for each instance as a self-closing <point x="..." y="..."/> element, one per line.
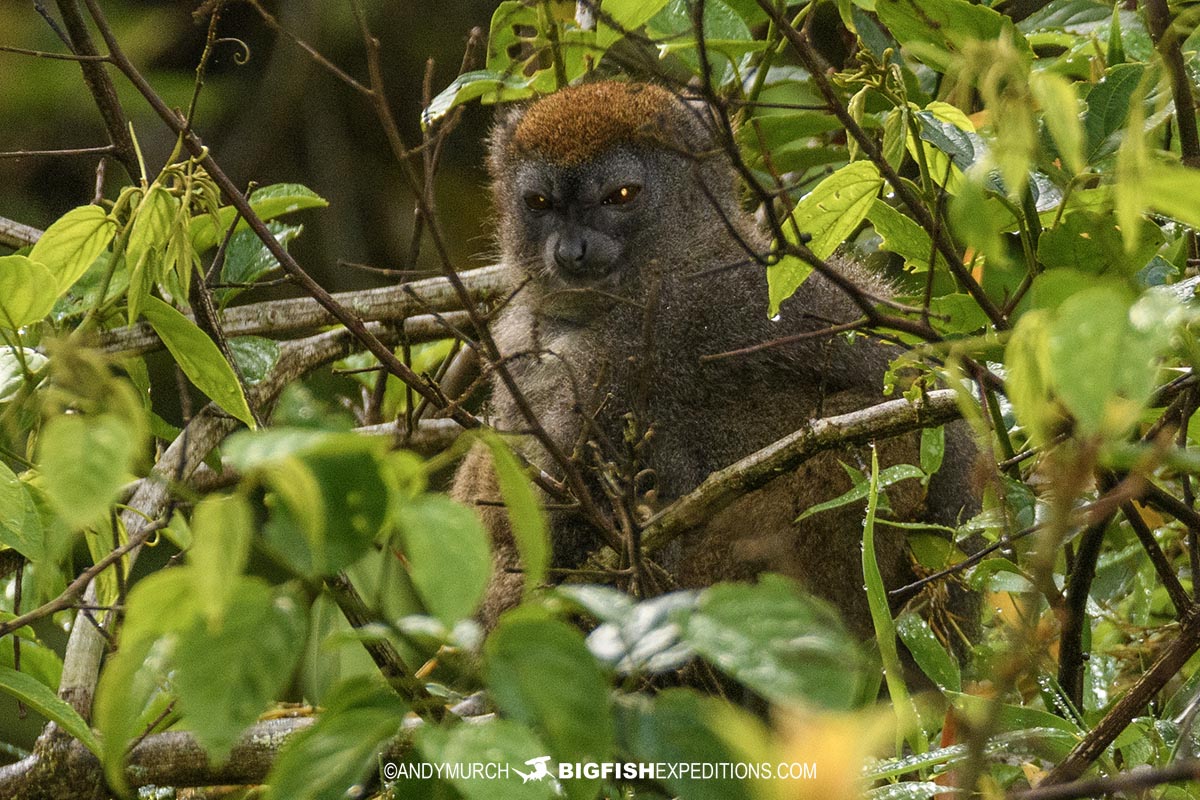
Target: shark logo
<point x="538" y="772"/>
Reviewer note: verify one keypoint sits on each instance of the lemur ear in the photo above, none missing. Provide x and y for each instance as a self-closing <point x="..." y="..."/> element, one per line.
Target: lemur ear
<point x="507" y="119"/>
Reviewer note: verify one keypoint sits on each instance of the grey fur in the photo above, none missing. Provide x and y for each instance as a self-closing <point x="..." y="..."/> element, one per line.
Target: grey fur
<point x="626" y="338"/>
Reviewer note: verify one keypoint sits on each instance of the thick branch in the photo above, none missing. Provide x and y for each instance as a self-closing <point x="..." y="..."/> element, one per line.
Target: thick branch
<point x="173" y="758"/>
<point x="757" y="469"/>
<point x="304" y="314"/>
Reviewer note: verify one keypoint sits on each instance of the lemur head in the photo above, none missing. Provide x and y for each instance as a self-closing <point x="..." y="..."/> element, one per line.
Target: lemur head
<point x="594" y="180"/>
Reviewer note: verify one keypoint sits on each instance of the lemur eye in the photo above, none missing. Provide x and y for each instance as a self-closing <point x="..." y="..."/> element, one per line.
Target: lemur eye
<point x="623" y="195"/>
<point x="537" y="202"/>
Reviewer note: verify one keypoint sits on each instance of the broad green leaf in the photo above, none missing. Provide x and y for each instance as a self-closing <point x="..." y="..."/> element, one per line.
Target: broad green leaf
<point x="330" y="496"/>
<point x="1108" y="104"/>
<point x="72" y="243"/>
<point x="1103" y="352"/>
<point x="338" y="751"/>
<point x="448" y="555"/>
<point x="780" y="642"/>
<point x="248" y="260"/>
<point x="27" y="291"/>
<point x="979" y="220"/>
<point x="495" y="741"/>
<point x="1092" y="243"/>
<point x="902" y="236"/>
<point x="20" y="525"/>
<point x="937" y="29"/>
<point x="937" y="664"/>
<point x="255" y="357"/>
<point x="1026" y="358"/>
<point x="133" y="677"/>
<point x="40" y="698"/>
<point x="227" y="675"/>
<point x="268" y="202"/>
<point x="199" y="358"/>
<point x="726" y="35"/>
<point x="542" y="675"/>
<point x="836" y="206"/>
<point x="828" y="214"/>
<point x="683" y="727"/>
<point x="85" y="461"/>
<point x="889" y="476"/>
<point x="222" y="528"/>
<point x="525" y="513"/>
<point x="147" y="244"/>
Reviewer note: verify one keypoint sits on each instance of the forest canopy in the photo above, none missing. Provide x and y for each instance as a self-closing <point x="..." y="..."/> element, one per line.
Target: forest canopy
<point x="243" y="251"/>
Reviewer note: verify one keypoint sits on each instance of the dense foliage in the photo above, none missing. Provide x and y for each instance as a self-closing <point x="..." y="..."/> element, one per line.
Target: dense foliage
<point x="1027" y="179"/>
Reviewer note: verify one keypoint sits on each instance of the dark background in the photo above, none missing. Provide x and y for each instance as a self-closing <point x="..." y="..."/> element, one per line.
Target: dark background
<point x="279" y="117"/>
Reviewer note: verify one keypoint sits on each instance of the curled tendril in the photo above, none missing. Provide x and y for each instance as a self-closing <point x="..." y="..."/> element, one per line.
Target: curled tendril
<point x="241" y="57"/>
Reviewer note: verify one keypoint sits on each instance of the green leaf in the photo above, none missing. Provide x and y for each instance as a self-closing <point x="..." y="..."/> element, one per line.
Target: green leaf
<point x="682" y="727"/>
<point x="488" y="86"/>
<point x="1092" y="243"/>
<point x="247" y="258"/>
<point x="861" y="489"/>
<point x="255" y="357"/>
<point x="906" y="790"/>
<point x="324" y="761"/>
<point x="542" y="675"/>
<point x="775" y="639"/>
<point x="85" y="461"/>
<point x="1060" y="110"/>
<point x="902" y="236"/>
<point x="199" y="358"/>
<point x="151" y="229"/>
<point x="836" y="206"/>
<point x="525" y="513"/>
<point x="72" y="243"/>
<point x="133" y="677"/>
<point x="933" y="448"/>
<point x="449" y="559"/>
<point x="334" y="496"/>
<point x="828" y="214"/>
<point x="908" y="721"/>
<point x="937" y="29"/>
<point x="20" y="526"/>
<point x="222" y="527"/>
<point x="1103" y="356"/>
<point x="227" y="675"/>
<point x="495" y="741"/>
<point x="12" y="370"/>
<point x="268" y="202"/>
<point x="27" y="291"/>
<point x="938" y="665"/>
<point x="1108" y="103"/>
<point x="41" y="699"/>
<point x="1027" y="360"/>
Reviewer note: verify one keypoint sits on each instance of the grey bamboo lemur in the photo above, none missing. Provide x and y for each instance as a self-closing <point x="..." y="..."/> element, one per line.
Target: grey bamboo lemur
<point x="620" y="219"/>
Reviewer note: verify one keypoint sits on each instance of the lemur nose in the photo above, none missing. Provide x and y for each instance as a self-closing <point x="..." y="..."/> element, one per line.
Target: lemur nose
<point x="570" y="253"/>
